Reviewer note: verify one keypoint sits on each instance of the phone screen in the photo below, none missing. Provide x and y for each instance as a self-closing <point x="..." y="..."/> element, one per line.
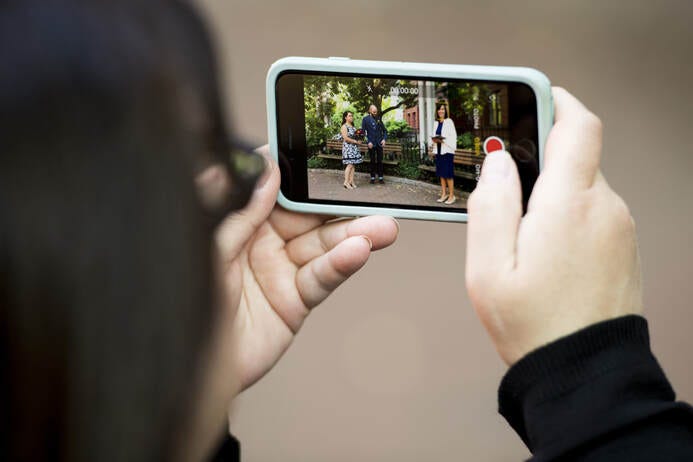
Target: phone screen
<point x="404" y="142"/>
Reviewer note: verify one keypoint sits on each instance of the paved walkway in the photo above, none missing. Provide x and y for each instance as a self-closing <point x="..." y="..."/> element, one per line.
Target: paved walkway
<point x="328" y="184"/>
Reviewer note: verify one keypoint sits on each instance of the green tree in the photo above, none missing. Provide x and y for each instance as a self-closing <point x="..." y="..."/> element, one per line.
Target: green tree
<point x="465" y="140"/>
<point x="471" y="97"/>
<point x="397" y="128"/>
<point x="362" y="92"/>
<point x="321" y="93"/>
<point x="319" y="105"/>
<point x="336" y="121"/>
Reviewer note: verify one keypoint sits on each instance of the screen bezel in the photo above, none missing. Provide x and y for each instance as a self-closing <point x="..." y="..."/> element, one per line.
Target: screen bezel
<point x="289" y="90"/>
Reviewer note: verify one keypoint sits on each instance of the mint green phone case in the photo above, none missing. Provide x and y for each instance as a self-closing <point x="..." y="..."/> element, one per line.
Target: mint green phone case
<point x="535" y="79"/>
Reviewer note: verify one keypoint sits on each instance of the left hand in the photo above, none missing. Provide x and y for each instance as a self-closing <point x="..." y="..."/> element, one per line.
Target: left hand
<point x="274" y="266"/>
<point x="382" y="143"/>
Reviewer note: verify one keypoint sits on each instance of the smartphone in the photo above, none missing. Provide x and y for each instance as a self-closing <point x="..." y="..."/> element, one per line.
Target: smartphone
<point x="355" y="137"/>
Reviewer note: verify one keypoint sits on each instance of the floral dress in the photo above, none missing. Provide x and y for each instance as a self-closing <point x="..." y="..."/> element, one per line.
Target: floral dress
<point x="350" y="152"/>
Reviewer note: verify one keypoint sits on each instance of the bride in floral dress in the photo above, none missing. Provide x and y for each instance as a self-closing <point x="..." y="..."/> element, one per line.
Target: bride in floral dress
<point x="350" y="149"/>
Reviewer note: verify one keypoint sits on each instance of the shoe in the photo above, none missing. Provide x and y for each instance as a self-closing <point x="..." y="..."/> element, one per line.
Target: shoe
<point x="353" y="185"/>
<point x="442" y="198"/>
<point x="451" y="200"/>
<point x="380" y="180"/>
<point x="372" y="180"/>
<point x="347" y="186"/>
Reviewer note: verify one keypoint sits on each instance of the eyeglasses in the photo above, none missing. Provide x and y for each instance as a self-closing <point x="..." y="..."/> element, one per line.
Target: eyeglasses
<point x="243" y="167"/>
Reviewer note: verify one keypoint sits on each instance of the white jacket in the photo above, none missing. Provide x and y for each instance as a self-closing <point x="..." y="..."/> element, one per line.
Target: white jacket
<point x="449" y="132"/>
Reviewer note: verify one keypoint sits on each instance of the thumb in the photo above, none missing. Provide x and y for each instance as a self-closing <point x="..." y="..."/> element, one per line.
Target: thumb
<point x="236" y="229"/>
<point x="494" y="214"/>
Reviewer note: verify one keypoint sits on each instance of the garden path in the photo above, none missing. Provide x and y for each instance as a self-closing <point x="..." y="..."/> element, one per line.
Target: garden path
<point x="328" y="184"/>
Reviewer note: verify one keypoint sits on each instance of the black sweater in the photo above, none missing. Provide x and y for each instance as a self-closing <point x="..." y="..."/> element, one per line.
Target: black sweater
<point x="596" y="395"/>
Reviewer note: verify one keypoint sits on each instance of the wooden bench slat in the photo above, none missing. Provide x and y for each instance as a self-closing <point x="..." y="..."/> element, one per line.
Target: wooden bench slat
<point x="389" y="148"/>
<point x="465" y="157"/>
<point x="458" y="173"/>
<point x="365" y="161"/>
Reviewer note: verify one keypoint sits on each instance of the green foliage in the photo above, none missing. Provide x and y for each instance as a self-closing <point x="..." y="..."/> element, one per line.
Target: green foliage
<point x="465" y="141"/>
<point x="319" y="106"/>
<point x="336" y="120"/>
<point x="396" y="128"/>
<point x="317" y="162"/>
<point x="325" y="96"/>
<point x="362" y="92"/>
<point x="408" y="169"/>
<point x="472" y="97"/>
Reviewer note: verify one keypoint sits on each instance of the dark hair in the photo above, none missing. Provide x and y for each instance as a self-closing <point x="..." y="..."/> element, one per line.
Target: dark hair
<point x="344" y="116"/>
<point x="105" y="266"/>
<point x="444" y="106"/>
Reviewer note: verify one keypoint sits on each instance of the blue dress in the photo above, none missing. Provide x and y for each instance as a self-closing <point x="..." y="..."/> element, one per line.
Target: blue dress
<point x="445" y="162"/>
<point x="350" y="152"/>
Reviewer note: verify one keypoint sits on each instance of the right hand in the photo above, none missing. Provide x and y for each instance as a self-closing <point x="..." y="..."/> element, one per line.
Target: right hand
<point x="370" y="145"/>
<point x="571" y="261"/>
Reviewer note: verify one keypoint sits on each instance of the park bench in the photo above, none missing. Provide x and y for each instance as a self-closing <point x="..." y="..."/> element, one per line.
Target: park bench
<point x="392" y="151"/>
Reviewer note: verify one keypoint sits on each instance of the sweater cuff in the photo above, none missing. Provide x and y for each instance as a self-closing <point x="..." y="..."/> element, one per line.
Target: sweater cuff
<point x="589" y="378"/>
<point x="228" y="451"/>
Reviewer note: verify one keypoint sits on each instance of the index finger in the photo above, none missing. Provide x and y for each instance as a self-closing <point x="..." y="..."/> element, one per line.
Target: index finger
<point x="574" y="145"/>
<point x="288" y="225"/>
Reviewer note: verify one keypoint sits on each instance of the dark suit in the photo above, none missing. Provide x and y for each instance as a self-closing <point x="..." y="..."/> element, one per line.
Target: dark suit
<point x="375" y="133"/>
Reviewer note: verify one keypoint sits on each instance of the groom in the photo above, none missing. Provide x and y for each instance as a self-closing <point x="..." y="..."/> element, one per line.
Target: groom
<point x="376" y="135"/>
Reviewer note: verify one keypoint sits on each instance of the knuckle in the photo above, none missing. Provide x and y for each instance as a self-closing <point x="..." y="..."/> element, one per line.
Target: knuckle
<point x="477" y="287"/>
<point x="476" y="276"/>
<point x="580" y="207"/>
<point x="485" y="199"/>
<point x="593" y="123"/>
<point x="621" y="215"/>
<point x="490" y="289"/>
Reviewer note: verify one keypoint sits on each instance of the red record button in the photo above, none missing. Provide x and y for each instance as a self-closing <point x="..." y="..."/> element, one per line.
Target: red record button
<point x="493" y="143"/>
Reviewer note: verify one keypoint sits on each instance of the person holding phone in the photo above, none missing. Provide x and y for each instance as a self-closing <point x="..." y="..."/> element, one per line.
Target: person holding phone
<point x="133" y="308"/>
<point x="350" y="149"/>
<point x="146" y="277"/>
<point x="445" y="141"/>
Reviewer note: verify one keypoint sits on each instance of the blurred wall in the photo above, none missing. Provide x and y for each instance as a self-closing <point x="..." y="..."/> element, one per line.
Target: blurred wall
<point x="395" y="366"/>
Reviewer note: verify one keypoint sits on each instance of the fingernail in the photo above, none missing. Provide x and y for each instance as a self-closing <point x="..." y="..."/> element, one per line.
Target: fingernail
<point x="496" y="167"/>
<point x="370" y="243"/>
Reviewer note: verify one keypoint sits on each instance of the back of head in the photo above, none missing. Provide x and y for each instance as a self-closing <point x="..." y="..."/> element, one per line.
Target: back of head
<point x="104" y="260"/>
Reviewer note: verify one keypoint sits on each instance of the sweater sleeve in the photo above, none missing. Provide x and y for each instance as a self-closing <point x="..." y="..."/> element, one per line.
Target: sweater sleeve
<point x="597" y="395"/>
<point x="228" y="451"/>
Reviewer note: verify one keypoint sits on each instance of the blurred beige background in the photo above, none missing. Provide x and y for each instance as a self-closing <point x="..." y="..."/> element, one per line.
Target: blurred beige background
<point x="395" y="366"/>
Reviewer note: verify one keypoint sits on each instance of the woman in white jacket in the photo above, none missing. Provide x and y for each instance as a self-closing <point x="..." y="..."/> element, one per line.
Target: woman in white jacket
<point x="445" y="141"/>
